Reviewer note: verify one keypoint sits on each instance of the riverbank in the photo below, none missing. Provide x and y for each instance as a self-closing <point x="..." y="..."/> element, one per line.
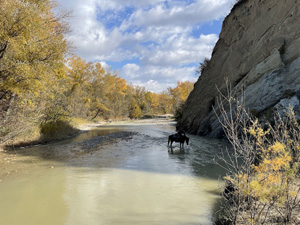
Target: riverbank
<point x="78" y="126"/>
<point x="83" y="127"/>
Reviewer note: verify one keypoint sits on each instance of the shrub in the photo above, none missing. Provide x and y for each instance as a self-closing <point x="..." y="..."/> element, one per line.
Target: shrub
<point x="56" y="130"/>
<point x="262" y="166"/>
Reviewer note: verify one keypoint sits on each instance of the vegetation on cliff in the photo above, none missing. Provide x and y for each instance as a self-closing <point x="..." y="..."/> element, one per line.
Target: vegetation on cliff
<point x="263" y="167"/>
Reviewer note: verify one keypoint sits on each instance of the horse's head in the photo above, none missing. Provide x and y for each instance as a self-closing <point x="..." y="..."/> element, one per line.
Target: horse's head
<point x="187" y="140"/>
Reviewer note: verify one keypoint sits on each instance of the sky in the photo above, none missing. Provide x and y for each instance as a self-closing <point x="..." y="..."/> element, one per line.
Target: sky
<point x="150" y="43"/>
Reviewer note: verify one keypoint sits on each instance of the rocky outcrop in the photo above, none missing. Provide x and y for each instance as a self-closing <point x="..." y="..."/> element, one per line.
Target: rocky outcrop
<point x="258" y="50"/>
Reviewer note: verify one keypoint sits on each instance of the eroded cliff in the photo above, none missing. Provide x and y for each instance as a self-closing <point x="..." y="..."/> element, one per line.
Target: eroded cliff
<point x="258" y="49"/>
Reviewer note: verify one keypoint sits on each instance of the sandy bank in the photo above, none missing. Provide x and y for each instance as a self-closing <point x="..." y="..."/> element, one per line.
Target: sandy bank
<point x="163" y="120"/>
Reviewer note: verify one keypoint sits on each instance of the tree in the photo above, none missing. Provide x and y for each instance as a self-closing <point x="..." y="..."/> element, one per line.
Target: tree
<point x="134" y="110"/>
<point x="32" y="45"/>
<point x="78" y="71"/>
<point x="164" y="103"/>
<point x="179" y="95"/>
<point x="32" y="50"/>
<point x="97" y="94"/>
<point x="77" y="82"/>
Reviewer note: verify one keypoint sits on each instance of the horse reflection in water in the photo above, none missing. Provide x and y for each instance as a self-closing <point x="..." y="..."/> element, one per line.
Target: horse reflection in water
<point x="178" y="138"/>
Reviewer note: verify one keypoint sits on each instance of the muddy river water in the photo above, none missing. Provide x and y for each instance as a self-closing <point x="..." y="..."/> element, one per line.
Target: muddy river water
<point x="112" y="175"/>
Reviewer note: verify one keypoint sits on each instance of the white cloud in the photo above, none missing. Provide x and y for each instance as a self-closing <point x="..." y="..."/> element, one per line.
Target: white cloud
<point x="181" y="15"/>
<point x="131" y="71"/>
<point x="120" y="4"/>
<point x="151" y="85"/>
<point x="156" y="32"/>
<point x="157" y="78"/>
<point x="180" y="50"/>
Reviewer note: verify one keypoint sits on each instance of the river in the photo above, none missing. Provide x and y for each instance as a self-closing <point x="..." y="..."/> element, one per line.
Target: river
<point x="114" y="174"/>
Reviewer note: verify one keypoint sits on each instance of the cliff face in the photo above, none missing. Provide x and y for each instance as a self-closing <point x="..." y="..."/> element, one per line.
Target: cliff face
<point x="258" y="49"/>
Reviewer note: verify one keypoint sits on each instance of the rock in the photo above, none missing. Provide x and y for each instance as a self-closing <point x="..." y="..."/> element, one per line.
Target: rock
<point x="258" y="51"/>
<point x="285" y="103"/>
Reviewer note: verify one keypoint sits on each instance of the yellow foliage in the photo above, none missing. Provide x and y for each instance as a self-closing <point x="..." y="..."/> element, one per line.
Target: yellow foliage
<point x="277" y="147"/>
<point x="270" y="177"/>
<point x="101" y="106"/>
<point x="32" y="47"/>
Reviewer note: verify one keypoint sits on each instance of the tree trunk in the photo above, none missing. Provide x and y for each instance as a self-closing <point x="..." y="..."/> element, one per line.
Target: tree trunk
<point x="98" y="111"/>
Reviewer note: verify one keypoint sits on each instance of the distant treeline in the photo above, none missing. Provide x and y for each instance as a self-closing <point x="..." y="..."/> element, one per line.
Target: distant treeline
<point x="42" y="83"/>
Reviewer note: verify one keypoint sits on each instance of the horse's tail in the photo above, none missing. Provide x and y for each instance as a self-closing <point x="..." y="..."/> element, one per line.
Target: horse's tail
<point x="169" y="140"/>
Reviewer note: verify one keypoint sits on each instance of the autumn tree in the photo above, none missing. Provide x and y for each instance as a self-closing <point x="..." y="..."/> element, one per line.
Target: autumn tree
<point x="164" y="103"/>
<point x="115" y="95"/>
<point x="32" y="45"/>
<point x="77" y="86"/>
<point x="150" y="103"/>
<point x="134" y="110"/>
<point x="32" y="49"/>
<point x="95" y="92"/>
<point x="179" y="95"/>
<point x="139" y="96"/>
<point x="97" y="89"/>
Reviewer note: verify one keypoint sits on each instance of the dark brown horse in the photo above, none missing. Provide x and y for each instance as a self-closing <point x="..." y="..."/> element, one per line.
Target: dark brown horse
<point x="178" y="138"/>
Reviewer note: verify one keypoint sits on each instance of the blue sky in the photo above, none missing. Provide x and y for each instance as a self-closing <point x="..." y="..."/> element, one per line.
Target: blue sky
<point x="150" y="43"/>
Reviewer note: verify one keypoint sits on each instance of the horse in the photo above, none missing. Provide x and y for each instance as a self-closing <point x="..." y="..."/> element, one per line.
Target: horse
<point x="178" y="138"/>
